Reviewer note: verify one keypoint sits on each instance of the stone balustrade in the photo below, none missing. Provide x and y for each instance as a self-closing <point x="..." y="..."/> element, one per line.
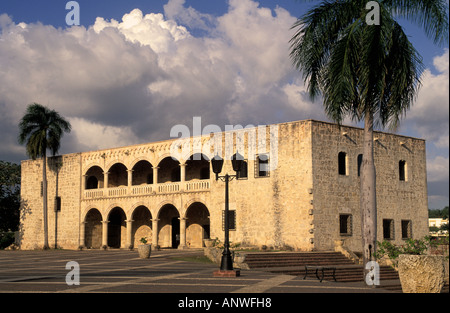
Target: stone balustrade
<point x="147" y="189"/>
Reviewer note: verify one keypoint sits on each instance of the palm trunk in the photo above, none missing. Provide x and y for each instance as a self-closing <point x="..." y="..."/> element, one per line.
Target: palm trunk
<point x="44" y="195"/>
<point x="368" y="195"/>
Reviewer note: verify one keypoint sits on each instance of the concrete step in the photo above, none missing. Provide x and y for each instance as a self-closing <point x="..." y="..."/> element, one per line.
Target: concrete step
<point x="266" y="260"/>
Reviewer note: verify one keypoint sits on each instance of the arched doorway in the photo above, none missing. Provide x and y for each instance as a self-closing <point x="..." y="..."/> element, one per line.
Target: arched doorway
<point x="197" y="225"/>
<point x="117" y="228"/>
<point x="197" y="167"/>
<point x="142" y="226"/>
<point x="142" y="173"/>
<point x="94" y="178"/>
<point x="169" y="171"/>
<point x="169" y="227"/>
<point x="118" y="176"/>
<point x="93" y="229"/>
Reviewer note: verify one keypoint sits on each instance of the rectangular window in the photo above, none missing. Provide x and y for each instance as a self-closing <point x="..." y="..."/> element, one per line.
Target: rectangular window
<point x="406" y="229"/>
<point x="42" y="188"/>
<point x="231" y="220"/>
<point x="402" y="170"/>
<point x="360" y="159"/>
<point x="243" y="173"/>
<point x="57" y="204"/>
<point x="345" y="224"/>
<point x="388" y="229"/>
<point x="262" y="165"/>
<point x="342" y="160"/>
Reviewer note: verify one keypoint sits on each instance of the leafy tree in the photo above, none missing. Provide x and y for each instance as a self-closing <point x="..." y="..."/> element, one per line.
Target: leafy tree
<point x="41" y="129"/>
<point x="369" y="73"/>
<point x="9" y="196"/>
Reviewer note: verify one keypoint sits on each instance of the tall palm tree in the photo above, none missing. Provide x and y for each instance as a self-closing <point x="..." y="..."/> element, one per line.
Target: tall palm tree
<point x="41" y="129"/>
<point x="369" y="73"/>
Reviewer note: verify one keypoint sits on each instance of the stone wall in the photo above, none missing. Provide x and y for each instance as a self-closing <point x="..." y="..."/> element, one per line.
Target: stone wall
<point x="63" y="180"/>
<point x="336" y="194"/>
<point x="296" y="206"/>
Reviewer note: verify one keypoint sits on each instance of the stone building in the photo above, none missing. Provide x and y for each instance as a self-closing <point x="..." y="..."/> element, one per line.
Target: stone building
<point x="299" y="189"/>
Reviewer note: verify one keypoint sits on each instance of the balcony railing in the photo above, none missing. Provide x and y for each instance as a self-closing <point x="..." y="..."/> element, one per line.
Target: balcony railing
<point x="190" y="186"/>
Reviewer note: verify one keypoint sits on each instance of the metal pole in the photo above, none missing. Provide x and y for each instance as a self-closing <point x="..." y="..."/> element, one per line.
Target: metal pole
<point x="227" y="262"/>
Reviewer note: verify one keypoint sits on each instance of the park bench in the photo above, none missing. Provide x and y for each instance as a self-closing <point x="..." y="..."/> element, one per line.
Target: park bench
<point x="320" y="268"/>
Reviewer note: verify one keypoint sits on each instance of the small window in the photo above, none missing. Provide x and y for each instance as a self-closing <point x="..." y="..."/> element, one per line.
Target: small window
<point x="342" y="160"/>
<point x="57" y="204"/>
<point x="402" y="170"/>
<point x="345" y="224"/>
<point x="231" y="220"/>
<point x="262" y="165"/>
<point x="360" y="159"/>
<point x="406" y="229"/>
<point x="243" y="173"/>
<point x="388" y="229"/>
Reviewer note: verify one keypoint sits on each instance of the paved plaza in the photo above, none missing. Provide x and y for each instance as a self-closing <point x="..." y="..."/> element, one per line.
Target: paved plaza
<point x="166" y="271"/>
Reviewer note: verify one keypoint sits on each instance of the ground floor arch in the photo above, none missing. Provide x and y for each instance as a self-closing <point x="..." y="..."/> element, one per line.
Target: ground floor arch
<point x="142" y="225"/>
<point x="168" y="227"/>
<point x="197" y="225"/>
<point x="93" y="229"/>
<point x="117" y="236"/>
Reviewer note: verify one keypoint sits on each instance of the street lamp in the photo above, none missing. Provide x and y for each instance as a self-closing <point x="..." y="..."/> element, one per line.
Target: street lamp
<point x="217" y="164"/>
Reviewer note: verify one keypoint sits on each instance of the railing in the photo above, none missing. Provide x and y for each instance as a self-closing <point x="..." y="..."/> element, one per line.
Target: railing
<point x="117" y="191"/>
<point x="123" y="191"/>
<point x="168" y="187"/>
<point x="141" y="190"/>
<point x="197" y="185"/>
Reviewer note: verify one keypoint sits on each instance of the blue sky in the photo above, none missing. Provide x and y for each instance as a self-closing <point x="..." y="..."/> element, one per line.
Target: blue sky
<point x="151" y="64"/>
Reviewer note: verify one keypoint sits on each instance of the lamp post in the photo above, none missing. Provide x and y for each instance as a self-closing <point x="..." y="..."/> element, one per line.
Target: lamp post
<point x="217" y="164"/>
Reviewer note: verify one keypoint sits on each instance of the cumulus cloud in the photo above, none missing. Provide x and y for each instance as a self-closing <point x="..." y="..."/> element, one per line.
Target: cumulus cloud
<point x="429" y="115"/>
<point x="149" y="72"/>
<point x="129" y="81"/>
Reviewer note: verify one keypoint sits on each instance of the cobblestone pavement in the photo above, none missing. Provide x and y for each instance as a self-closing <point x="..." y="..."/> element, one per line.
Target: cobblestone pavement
<point x="123" y="271"/>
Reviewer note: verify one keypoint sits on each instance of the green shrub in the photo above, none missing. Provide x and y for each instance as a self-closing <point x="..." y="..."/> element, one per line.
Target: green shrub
<point x="6" y="239"/>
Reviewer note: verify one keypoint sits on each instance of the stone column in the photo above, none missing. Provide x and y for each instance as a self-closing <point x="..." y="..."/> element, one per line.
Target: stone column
<point x="154" y="233"/>
<point x="105" y="179"/>
<point x="182" y="233"/>
<point x="182" y="175"/>
<point x="85" y="178"/>
<point x="129" y="234"/>
<point x="130" y="178"/>
<point x="82" y="235"/>
<point x="105" y="233"/>
<point x="183" y="172"/>
<point x="155" y="175"/>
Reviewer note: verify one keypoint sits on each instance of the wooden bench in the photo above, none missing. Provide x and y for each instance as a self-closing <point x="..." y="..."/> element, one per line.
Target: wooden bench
<point x="320" y="268"/>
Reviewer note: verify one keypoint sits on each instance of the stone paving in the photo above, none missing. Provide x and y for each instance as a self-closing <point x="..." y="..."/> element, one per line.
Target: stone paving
<point x="122" y="271"/>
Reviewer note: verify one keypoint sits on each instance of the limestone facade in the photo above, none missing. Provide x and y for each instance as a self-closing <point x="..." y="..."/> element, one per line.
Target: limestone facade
<point x="300" y="190"/>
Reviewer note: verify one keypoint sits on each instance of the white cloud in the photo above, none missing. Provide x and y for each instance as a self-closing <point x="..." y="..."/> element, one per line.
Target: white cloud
<point x="437" y="169"/>
<point x="429" y="115"/>
<point x="97" y="136"/>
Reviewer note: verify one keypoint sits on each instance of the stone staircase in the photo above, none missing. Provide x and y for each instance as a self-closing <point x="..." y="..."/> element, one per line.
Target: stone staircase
<point x="293" y="263"/>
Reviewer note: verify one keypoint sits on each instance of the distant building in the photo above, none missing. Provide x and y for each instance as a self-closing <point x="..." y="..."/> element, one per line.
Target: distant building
<point x="299" y="189"/>
<point x="437" y="222"/>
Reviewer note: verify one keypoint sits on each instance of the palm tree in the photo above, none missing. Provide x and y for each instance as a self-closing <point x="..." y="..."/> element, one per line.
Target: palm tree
<point x="369" y="73"/>
<point x="42" y="129"/>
